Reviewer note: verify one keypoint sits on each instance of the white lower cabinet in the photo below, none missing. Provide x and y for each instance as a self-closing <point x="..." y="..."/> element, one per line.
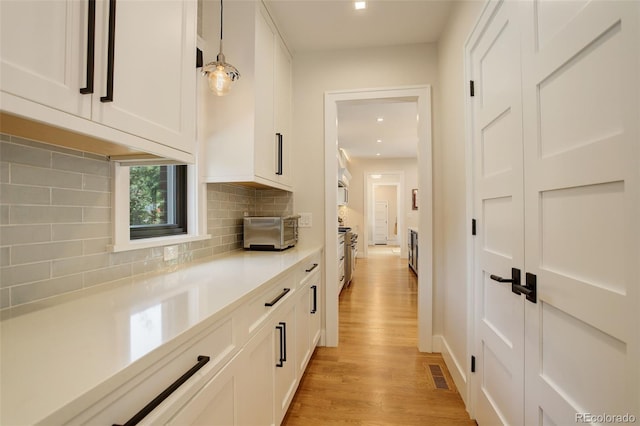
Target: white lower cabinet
<point x="284" y="348"/>
<point x="242" y="370"/>
<point x="216" y="402"/>
<point x="256" y="405"/>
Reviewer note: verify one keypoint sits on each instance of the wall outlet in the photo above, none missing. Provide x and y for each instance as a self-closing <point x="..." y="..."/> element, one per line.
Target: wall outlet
<point x="305" y="220"/>
<point x="170" y="253"/>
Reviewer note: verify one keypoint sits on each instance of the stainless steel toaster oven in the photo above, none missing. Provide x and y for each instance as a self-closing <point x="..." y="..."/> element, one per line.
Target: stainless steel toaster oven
<point x="270" y="232"/>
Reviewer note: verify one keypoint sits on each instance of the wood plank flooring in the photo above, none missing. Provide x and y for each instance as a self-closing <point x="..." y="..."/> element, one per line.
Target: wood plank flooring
<point x="376" y="376"/>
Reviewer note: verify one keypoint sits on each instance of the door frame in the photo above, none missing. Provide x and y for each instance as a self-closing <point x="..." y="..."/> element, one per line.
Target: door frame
<point x="422" y="95"/>
<point x="369" y="198"/>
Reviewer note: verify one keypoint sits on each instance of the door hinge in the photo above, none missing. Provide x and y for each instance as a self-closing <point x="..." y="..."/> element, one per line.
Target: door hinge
<point x="472" y="89"/>
<point x="473" y="364"/>
<point x="473" y="227"/>
<point x="199" y="60"/>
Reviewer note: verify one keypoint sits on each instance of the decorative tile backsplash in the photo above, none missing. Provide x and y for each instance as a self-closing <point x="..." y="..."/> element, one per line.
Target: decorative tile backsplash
<point x="55" y="223"/>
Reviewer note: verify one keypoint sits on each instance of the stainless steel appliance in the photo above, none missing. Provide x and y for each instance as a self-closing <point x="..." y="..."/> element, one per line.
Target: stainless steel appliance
<point x="270" y="232"/>
<point x="350" y="253"/>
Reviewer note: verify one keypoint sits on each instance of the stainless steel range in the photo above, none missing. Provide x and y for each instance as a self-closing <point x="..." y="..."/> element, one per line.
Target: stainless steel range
<point x="350" y="252"/>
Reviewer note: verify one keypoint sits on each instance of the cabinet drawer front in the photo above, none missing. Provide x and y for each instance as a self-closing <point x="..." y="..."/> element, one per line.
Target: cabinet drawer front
<point x="257" y="312"/>
<point x="218" y="342"/>
<point x="309" y="268"/>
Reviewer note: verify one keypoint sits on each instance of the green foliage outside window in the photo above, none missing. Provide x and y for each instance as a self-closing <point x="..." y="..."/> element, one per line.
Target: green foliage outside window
<point x="148" y="195"/>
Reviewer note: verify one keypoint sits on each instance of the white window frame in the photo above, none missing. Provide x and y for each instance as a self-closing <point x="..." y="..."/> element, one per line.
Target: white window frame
<point x="196" y="211"/>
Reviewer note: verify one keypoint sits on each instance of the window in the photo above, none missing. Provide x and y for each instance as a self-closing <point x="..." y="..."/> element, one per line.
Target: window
<point x="157" y="201"/>
<point x="157" y="205"/>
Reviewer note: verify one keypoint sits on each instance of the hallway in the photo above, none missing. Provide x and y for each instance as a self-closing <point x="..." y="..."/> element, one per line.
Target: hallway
<point x="377" y="376"/>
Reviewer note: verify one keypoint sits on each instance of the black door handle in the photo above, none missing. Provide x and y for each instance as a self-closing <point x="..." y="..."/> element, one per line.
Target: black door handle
<point x="111" y="47"/>
<point x="284" y="341"/>
<point x="515" y="277"/>
<point x="315" y="265"/>
<point x="91" y="42"/>
<point x="528" y="290"/>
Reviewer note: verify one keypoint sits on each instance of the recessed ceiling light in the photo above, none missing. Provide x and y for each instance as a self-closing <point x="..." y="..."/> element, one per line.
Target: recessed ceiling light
<point x="379" y="141"/>
<point x="360" y="5"/>
<point x="380" y="119"/>
<point x="378" y="154"/>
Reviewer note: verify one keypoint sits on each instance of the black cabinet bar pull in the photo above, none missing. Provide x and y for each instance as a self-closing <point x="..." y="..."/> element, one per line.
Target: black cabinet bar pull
<point x="315" y="299"/>
<point x="284" y="341"/>
<point x="111" y="47"/>
<point x="281" y="359"/>
<point x="202" y="360"/>
<point x="278" y="297"/>
<point x="279" y="165"/>
<point x="91" y="42"/>
<point x="315" y="265"/>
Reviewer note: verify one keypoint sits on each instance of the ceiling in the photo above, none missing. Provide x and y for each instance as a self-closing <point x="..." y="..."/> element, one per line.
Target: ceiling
<point x="313" y="25"/>
<point x="359" y="129"/>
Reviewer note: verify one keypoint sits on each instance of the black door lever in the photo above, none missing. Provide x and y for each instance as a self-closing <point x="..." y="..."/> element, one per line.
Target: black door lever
<point x="528" y="290"/>
<point x="515" y="277"/>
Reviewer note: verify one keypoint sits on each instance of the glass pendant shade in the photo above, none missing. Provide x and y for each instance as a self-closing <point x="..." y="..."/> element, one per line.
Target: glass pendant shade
<point x="219" y="81"/>
<point x="220" y="74"/>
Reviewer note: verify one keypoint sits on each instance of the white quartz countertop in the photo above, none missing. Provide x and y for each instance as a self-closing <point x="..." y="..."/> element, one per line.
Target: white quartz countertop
<point x="55" y="355"/>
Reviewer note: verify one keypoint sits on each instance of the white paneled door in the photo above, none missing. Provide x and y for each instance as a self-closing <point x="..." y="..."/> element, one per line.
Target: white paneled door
<point x="497" y="148"/>
<point x="381" y="219"/>
<point x="556" y="183"/>
<point x="581" y="160"/>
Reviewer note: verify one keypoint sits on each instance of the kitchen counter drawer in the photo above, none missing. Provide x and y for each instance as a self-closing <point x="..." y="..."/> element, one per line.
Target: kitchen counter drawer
<point x="218" y="342"/>
<point x="275" y="294"/>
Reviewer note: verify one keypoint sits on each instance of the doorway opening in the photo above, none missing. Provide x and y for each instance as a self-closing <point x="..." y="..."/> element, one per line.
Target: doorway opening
<point x="421" y="96"/>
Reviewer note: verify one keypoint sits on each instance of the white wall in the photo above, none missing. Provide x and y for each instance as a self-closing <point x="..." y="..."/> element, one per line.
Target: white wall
<point x="451" y="229"/>
<point x="315" y="73"/>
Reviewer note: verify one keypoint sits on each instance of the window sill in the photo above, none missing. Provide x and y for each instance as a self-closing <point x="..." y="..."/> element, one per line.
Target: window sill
<point x="157" y="242"/>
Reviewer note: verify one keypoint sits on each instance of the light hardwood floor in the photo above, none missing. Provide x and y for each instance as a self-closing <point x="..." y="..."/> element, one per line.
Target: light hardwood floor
<point x="376" y="376"/>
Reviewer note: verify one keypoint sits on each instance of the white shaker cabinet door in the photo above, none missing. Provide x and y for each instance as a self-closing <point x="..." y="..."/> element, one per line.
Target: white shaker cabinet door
<point x="43" y="52"/>
<point x="154" y="74"/>
<point x="265" y="138"/>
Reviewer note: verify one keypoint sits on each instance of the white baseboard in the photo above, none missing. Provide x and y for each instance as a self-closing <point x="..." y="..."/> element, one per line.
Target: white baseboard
<point x="457" y="370"/>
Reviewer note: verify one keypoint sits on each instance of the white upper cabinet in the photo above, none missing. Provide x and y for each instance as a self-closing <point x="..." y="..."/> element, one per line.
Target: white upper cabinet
<point x="44" y="53"/>
<point x="123" y="72"/>
<point x="247" y="133"/>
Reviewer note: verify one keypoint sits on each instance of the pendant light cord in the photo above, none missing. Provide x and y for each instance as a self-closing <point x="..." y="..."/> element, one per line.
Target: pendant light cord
<point x="221" y="18"/>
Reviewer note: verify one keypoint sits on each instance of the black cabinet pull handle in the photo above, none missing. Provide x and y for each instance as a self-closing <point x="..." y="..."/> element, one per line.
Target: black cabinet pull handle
<point x="281" y="359"/>
<point x="91" y="42"/>
<point x="278" y="297"/>
<point x="202" y="360"/>
<point x="279" y="165"/>
<point x="111" y="47"/>
<point x="315" y="299"/>
<point x="315" y="265"/>
<point x="284" y="341"/>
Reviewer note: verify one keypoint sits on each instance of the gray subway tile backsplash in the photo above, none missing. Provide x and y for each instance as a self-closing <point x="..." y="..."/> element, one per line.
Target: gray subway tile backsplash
<point x="56" y="225"/>
<point x="39" y="176"/>
<point x="24" y="234"/>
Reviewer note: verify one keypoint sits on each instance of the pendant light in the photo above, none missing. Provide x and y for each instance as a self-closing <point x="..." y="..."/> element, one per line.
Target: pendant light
<point x="220" y="74"/>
